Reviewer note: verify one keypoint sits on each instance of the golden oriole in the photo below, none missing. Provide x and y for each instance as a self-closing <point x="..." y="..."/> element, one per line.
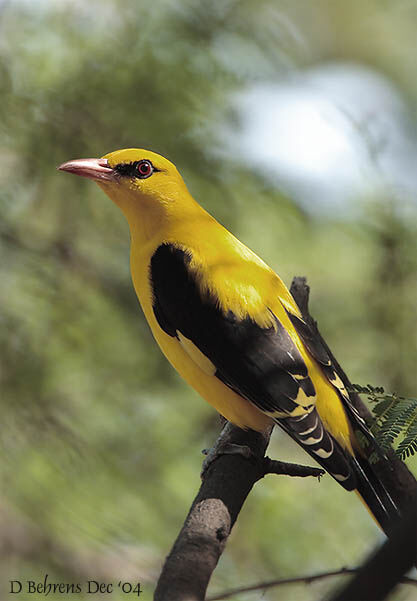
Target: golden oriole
<point x="227" y="322"/>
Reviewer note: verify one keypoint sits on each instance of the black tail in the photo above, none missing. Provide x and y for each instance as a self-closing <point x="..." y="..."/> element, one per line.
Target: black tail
<point x="352" y="472"/>
<point x="375" y="495"/>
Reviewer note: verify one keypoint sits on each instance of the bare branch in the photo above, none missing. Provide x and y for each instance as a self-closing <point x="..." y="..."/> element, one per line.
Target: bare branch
<point x="262" y="586"/>
<point x="272" y="466"/>
<point x="227" y="482"/>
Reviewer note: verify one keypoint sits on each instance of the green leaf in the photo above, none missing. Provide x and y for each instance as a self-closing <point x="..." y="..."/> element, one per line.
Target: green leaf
<point x="395" y="418"/>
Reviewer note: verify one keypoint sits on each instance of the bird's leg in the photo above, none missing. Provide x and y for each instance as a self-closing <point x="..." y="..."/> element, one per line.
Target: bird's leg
<point x="224" y="446"/>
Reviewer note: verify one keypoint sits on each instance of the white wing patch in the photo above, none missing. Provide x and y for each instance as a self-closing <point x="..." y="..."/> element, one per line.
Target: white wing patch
<point x="340" y="477"/>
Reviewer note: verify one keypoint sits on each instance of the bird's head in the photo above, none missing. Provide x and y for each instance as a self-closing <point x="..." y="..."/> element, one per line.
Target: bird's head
<point x="147" y="187"/>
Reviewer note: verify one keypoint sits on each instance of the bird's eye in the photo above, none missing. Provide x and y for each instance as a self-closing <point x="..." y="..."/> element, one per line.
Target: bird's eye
<point x="144" y="169"/>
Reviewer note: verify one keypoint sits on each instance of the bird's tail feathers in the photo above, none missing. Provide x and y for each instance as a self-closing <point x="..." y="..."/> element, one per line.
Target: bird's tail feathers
<point x="374" y="494"/>
<point x="353" y="472"/>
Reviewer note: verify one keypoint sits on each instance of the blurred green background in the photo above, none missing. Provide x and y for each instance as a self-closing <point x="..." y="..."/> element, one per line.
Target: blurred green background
<point x="294" y="123"/>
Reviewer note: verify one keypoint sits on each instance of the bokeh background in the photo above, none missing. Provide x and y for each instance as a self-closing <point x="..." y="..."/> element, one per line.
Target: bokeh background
<point x="294" y="123"/>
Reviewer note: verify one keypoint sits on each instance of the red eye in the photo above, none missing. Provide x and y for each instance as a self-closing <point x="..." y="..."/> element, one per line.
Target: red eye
<point x="144" y="169"/>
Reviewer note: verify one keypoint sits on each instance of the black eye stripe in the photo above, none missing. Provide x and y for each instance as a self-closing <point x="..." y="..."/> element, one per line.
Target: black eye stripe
<point x="131" y="169"/>
<point x="125" y="168"/>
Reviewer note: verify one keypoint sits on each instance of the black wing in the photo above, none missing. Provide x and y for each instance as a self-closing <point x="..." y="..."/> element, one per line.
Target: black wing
<point x="369" y="486"/>
<point x="317" y="350"/>
<point x="262" y="364"/>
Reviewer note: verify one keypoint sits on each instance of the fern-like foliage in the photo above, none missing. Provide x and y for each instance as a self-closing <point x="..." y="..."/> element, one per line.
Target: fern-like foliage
<point x="395" y="419"/>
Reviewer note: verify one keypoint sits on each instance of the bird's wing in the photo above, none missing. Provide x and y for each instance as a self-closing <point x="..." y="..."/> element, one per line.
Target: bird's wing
<point x="262" y="364"/>
<point x="318" y="351"/>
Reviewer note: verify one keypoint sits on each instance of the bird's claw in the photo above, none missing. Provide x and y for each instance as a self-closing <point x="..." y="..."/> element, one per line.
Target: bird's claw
<point x="223" y="448"/>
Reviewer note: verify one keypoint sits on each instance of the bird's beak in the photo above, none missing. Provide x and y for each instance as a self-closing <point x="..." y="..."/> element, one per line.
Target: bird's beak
<point x="96" y="169"/>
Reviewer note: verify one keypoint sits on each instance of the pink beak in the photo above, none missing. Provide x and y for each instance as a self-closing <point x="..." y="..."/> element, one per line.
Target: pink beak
<point x="96" y="169"/>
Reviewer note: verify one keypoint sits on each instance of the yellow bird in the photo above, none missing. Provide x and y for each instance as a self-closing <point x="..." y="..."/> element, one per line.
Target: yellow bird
<point x="227" y="322"/>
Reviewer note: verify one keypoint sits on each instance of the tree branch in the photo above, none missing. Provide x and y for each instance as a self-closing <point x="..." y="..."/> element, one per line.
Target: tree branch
<point x="282" y="468"/>
<point x="263" y="586"/>
<point x="226" y="484"/>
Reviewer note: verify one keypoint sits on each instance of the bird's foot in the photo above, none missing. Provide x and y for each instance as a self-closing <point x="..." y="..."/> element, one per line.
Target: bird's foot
<point x="222" y="446"/>
<point x="225" y="448"/>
